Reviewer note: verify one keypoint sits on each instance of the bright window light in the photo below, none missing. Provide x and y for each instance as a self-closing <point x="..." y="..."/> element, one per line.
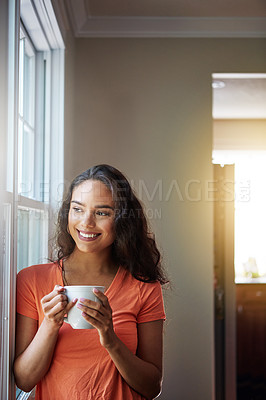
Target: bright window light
<point x="250" y="213"/>
<point x="27" y="131"/>
<point x="250" y="218"/>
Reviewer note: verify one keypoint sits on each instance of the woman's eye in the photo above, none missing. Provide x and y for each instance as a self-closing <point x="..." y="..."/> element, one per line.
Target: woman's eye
<point x="102" y="213"/>
<point x="77" y="209"/>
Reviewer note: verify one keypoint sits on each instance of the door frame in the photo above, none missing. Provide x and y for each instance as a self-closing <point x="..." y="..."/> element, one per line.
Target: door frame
<point x="224" y="210"/>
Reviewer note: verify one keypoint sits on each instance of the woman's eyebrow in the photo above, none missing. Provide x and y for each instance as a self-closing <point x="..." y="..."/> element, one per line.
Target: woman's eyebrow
<point x="104" y="206"/>
<point x="78" y="202"/>
<point x="97" y="206"/>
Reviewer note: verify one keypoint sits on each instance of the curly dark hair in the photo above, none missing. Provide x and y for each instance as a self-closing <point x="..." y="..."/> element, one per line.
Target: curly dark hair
<point x="134" y="247"/>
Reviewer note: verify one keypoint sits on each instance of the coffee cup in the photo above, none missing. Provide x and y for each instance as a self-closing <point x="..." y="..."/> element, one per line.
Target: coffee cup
<point x="74" y="317"/>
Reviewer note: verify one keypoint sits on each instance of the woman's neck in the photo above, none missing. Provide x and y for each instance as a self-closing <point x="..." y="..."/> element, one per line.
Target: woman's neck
<point x="94" y="263"/>
<point x="89" y="269"/>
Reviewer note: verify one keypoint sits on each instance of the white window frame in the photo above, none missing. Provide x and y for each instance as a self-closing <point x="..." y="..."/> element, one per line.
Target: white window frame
<point x="9" y="17"/>
<point x="48" y="41"/>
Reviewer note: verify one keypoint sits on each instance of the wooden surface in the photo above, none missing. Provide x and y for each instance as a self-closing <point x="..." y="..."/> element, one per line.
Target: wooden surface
<point x="251" y="341"/>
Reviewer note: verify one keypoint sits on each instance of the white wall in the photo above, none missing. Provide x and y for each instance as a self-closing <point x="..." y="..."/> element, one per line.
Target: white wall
<point x="145" y="106"/>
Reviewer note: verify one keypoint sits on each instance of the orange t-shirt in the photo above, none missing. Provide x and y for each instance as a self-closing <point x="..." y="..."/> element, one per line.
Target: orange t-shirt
<point x="81" y="368"/>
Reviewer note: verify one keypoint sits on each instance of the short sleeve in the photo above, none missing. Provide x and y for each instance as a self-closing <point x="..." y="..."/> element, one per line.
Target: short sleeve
<point x="26" y="303"/>
<point x="151" y="301"/>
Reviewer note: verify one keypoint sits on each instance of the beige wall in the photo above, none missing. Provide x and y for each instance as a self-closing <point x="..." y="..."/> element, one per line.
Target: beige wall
<point x="239" y="134"/>
<point x="144" y="106"/>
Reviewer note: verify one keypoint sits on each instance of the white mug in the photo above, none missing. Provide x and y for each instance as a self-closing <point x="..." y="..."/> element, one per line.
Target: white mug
<point x="74" y="317"/>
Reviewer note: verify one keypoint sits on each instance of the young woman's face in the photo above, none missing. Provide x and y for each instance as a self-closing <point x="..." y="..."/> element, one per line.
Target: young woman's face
<point x="91" y="217"/>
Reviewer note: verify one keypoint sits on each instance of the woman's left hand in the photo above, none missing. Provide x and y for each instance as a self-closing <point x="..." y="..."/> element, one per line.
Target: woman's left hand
<point x="100" y="316"/>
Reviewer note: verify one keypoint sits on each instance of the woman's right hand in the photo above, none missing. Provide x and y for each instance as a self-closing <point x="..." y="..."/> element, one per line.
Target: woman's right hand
<point x="55" y="306"/>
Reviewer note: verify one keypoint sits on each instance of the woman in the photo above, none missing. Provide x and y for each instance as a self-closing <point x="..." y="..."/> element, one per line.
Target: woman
<point x="102" y="240"/>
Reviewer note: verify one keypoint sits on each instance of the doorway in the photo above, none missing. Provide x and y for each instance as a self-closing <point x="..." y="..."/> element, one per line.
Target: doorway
<point x="239" y="152"/>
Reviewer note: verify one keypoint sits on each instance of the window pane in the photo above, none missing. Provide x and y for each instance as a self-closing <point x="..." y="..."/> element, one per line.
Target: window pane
<point x="21" y="71"/>
<point x="25" y="160"/>
<point x="27" y="61"/>
<point x="29" y="83"/>
<point x="27" y="132"/>
<point x="250" y="218"/>
<point x="32" y="237"/>
<point x="22" y="239"/>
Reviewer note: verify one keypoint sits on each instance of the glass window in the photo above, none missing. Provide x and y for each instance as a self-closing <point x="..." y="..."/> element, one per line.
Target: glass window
<point x="26" y="127"/>
<point x="40" y="125"/>
<point x="250" y="218"/>
<point x="32" y="226"/>
<point x="31" y="237"/>
<point x="250" y="213"/>
<point x="32" y="136"/>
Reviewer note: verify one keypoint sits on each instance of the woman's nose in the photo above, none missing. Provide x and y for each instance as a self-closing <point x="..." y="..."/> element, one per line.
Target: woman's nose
<point x="89" y="219"/>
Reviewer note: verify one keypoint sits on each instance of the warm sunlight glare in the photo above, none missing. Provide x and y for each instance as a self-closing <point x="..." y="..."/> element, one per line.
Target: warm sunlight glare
<point x="250" y="217"/>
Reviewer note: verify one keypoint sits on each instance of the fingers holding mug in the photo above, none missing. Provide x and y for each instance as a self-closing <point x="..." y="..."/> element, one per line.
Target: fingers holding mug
<point x="54" y="305"/>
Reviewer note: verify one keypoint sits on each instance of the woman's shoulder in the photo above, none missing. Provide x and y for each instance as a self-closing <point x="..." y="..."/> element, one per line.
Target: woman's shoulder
<point x="147" y="296"/>
<point x="141" y="285"/>
<point x="38" y="270"/>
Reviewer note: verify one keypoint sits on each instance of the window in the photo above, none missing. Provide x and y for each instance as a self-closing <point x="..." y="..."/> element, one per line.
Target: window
<point x="32" y="134"/>
<point x="26" y="123"/>
<point x="32" y="219"/>
<point x="40" y="126"/>
<point x="250" y="218"/>
<point x="250" y="212"/>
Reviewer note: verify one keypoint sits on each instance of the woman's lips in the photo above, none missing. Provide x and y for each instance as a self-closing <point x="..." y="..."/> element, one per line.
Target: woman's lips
<point x="88" y="236"/>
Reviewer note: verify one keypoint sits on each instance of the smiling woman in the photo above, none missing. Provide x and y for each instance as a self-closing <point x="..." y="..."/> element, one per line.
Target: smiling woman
<point x="91" y="217"/>
<point x="103" y="240"/>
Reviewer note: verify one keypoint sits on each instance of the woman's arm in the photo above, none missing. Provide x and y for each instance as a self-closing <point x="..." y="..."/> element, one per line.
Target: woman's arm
<point x="34" y="351"/>
<point x="35" y="347"/>
<point x="143" y="372"/>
